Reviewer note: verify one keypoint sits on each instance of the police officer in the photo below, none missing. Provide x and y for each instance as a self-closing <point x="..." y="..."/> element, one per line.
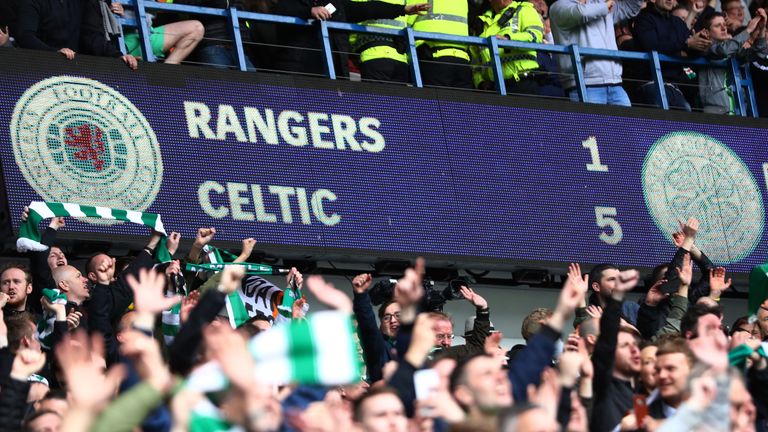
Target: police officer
<point x="382" y="58"/>
<point x="511" y="20"/>
<point x="444" y="64"/>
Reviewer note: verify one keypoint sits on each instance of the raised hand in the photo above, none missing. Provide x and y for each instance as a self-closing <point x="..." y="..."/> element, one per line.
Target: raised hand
<point x="27" y="362"/>
<point x="328" y="295"/>
<point x="594" y="311"/>
<point x="4" y="298"/>
<point x="204" y="236"/>
<point x="248" y="245"/>
<point x="174" y="267"/>
<point x="148" y="292"/>
<point x="231" y="277"/>
<point x="173" y="242"/>
<point x="295" y="274"/>
<point x="56" y="223"/>
<point x="57" y="309"/>
<point x="361" y="283"/>
<point x="628" y="279"/>
<point x="576" y="278"/>
<point x="105" y="270"/>
<point x="686" y="272"/>
<point x="73" y="319"/>
<point x="187" y="304"/>
<point x="655" y="295"/>
<point x="79" y="360"/>
<point x="471" y="296"/>
<point x="297" y="309"/>
<point x="145" y="353"/>
<point x="68" y="53"/>
<point x="422" y="341"/>
<point x="717" y="282"/>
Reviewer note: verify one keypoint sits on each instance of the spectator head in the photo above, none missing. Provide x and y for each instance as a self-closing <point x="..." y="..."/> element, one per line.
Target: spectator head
<point x="734" y="13"/>
<point x="589" y="330"/>
<point x="124" y="324"/>
<point x="681" y="12"/>
<point x="525" y="417"/>
<point x="481" y="386"/>
<point x="380" y="410"/>
<point x="21" y="332"/>
<point x="743" y="330"/>
<point x="648" y="367"/>
<point x="56" y="257"/>
<point x="674" y="362"/>
<point x="255" y="325"/>
<point x="443" y="328"/>
<point x="742" y="406"/>
<point x="54" y="400"/>
<point x="533" y="321"/>
<point x="70" y="281"/>
<point x="762" y="318"/>
<point x="16" y="281"/>
<point x="700" y="320"/>
<point x="627" y="358"/>
<point x="666" y="5"/>
<point x="43" y="421"/>
<point x="389" y="317"/>
<point x="603" y="279"/>
<point x="93" y="264"/>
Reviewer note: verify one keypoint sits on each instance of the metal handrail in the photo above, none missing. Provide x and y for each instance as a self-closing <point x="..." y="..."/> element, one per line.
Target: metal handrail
<point x="745" y="102"/>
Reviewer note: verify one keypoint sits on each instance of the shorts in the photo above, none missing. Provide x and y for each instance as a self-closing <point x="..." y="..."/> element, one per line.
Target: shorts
<point x="156" y="41"/>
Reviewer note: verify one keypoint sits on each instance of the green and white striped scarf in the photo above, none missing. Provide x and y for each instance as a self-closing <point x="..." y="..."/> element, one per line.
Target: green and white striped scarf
<point x="206" y="417"/>
<point x="29" y="232"/>
<point x="45" y="326"/>
<point x="319" y="350"/>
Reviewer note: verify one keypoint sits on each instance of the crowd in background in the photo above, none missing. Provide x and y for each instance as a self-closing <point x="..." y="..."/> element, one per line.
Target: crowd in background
<point x="132" y="343"/>
<point x="688" y="28"/>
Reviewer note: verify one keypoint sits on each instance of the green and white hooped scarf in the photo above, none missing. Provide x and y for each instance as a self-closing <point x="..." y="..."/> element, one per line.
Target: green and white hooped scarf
<point x="29" y="232"/>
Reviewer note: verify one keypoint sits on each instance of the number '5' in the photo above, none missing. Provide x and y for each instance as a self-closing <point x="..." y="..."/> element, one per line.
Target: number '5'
<point x="605" y="218"/>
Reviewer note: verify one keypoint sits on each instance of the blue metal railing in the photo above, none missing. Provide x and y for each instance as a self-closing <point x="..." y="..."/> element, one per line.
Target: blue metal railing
<point x="744" y="94"/>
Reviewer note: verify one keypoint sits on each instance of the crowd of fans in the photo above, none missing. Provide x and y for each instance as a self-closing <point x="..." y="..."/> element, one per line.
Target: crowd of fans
<point x="89" y="349"/>
<point x="687" y="28"/>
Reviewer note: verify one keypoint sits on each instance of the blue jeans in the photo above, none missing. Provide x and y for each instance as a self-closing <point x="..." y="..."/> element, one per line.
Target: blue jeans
<point x="220" y="56"/>
<point x="675" y="97"/>
<point x="606" y="95"/>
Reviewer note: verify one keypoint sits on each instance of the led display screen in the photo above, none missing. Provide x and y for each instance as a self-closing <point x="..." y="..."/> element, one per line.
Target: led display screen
<point x="346" y="166"/>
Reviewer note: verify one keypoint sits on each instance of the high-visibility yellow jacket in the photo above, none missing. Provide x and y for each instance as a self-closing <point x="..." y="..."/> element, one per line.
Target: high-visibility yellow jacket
<point x="446" y="17"/>
<point x="372" y="47"/>
<point x="519" y="21"/>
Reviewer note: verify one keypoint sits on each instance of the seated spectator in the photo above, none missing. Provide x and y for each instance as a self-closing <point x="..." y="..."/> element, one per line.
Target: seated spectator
<point x="172" y="42"/>
<point x="216" y="49"/>
<point x="590" y="25"/>
<point x="66" y="27"/>
<point x="716" y="90"/>
<point x="656" y="29"/>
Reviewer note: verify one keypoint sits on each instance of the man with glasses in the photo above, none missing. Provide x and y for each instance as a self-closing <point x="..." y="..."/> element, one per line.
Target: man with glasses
<point x="377" y="341"/>
<point x="443" y="329"/>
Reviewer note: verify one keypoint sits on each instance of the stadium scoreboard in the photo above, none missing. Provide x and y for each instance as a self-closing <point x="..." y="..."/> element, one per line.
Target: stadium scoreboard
<point x="348" y="166"/>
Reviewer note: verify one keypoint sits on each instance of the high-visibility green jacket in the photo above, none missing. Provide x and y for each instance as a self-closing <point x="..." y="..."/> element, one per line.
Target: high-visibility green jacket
<point x="372" y="47"/>
<point x="523" y="23"/>
<point x="446" y="17"/>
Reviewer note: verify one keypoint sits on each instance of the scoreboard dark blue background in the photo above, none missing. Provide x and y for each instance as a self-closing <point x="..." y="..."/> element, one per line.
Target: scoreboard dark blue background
<point x="454" y="179"/>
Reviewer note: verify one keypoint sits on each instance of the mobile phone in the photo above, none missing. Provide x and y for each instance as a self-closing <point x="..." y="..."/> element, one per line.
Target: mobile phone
<point x="425" y="381"/>
<point x="330" y="8"/>
<point x="641" y="408"/>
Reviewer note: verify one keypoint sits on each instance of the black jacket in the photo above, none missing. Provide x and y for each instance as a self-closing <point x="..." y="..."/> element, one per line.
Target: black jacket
<point x="50" y="25"/>
<point x="613" y="396"/>
<point x="665" y="33"/>
<point x="311" y="61"/>
<point x="216" y="28"/>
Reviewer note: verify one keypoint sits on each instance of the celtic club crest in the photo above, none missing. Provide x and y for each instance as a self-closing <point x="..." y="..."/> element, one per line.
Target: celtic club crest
<point x="78" y="140"/>
<point x="691" y="174"/>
